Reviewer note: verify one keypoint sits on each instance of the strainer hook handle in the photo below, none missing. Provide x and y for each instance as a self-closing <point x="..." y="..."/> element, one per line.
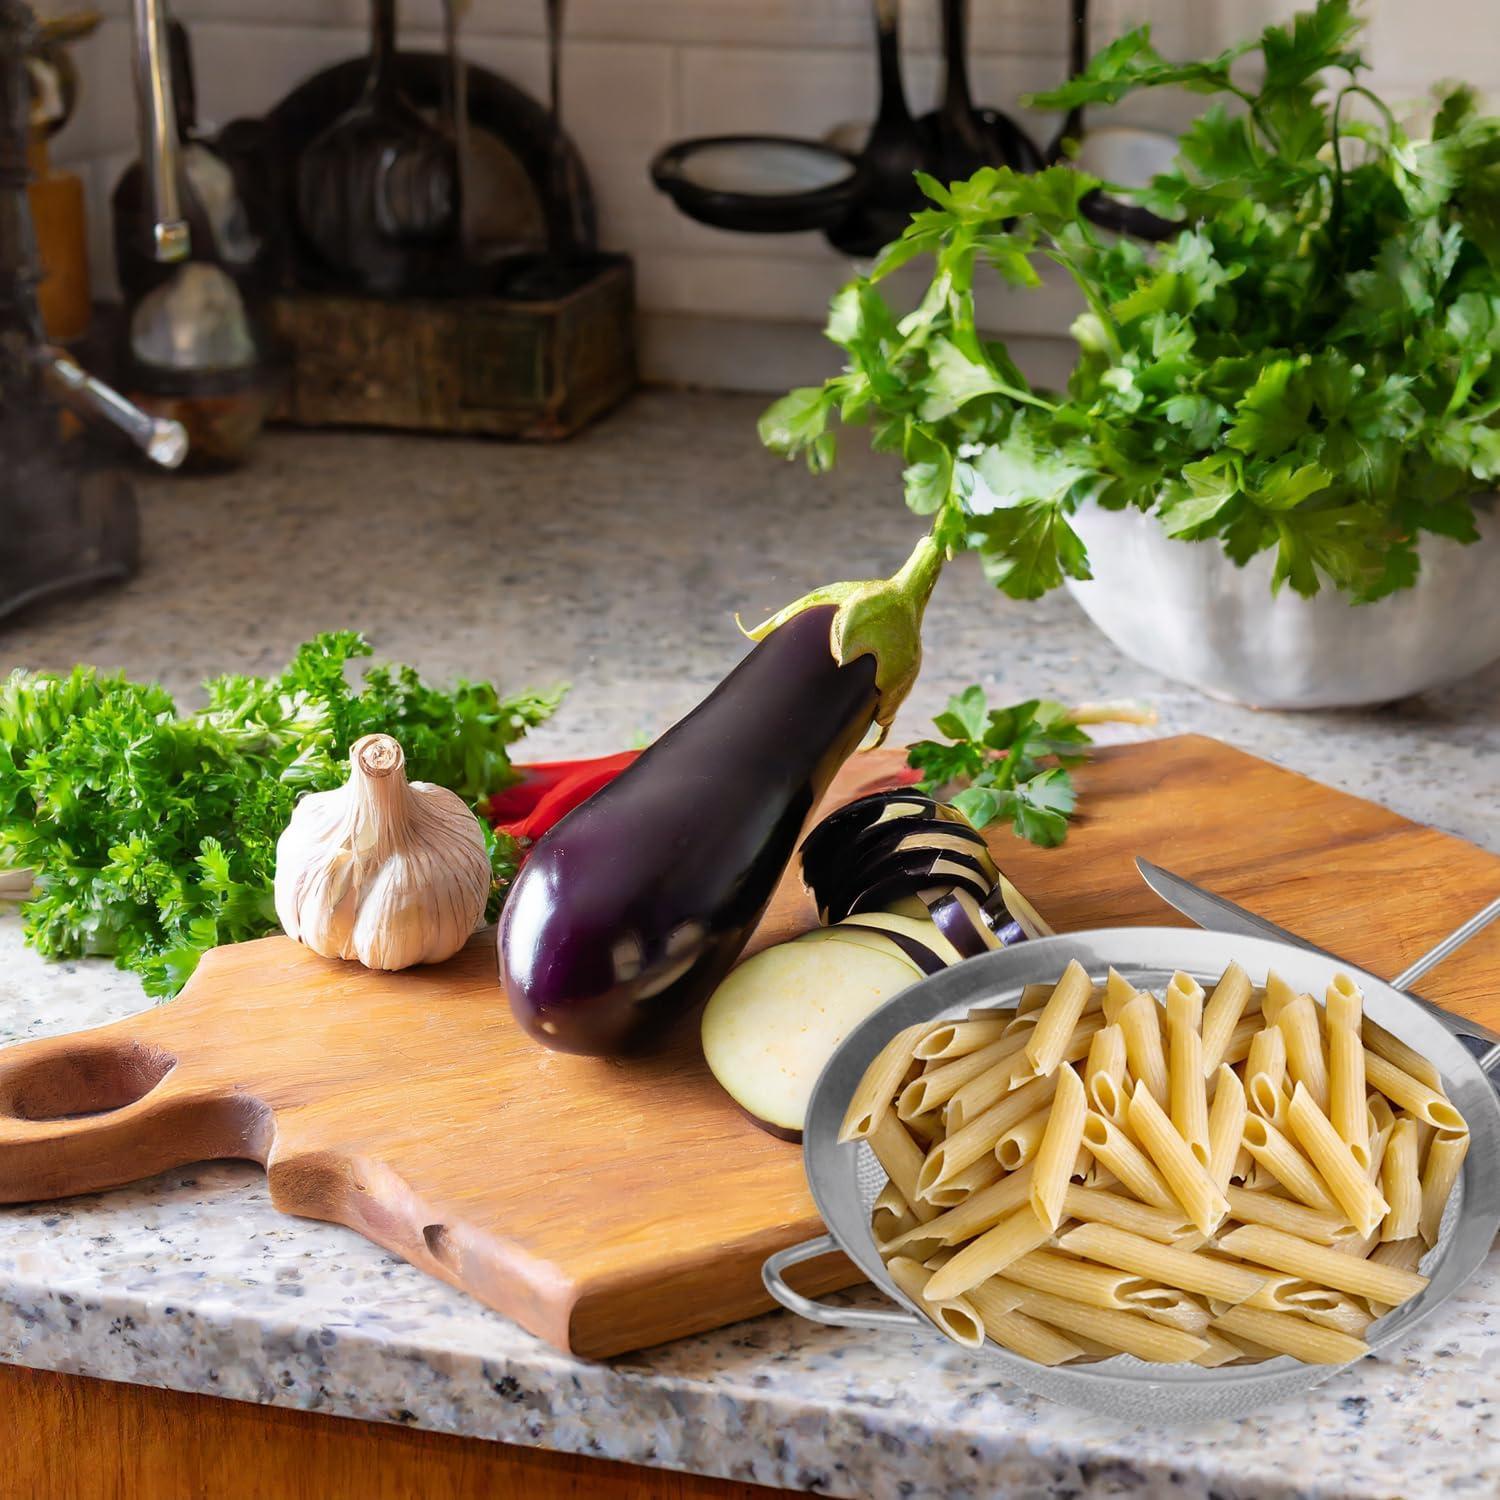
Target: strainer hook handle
<point x="821" y="1312"/>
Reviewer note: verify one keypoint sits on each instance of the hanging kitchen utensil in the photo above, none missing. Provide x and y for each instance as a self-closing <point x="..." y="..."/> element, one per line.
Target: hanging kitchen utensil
<point x="886" y="194"/>
<point x="759" y="184"/>
<point x="966" y="138"/>
<point x="1128" y="155"/>
<point x="379" y="187"/>
<point x="506" y="209"/>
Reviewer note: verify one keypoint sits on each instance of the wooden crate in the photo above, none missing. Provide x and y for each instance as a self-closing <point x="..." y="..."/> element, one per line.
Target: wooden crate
<point x="505" y="368"/>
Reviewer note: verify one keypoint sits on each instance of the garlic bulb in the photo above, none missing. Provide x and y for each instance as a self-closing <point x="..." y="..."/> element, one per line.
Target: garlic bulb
<point x="387" y="871"/>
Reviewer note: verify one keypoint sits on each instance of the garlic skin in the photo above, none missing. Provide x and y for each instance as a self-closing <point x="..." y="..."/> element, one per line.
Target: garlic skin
<point x="389" y="872"/>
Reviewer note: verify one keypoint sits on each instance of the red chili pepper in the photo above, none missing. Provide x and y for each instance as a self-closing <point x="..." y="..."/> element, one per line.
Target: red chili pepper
<point x="550" y="789"/>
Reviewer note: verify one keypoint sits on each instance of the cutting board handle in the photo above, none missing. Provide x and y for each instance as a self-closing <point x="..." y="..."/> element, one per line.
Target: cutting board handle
<point x="100" y="1108"/>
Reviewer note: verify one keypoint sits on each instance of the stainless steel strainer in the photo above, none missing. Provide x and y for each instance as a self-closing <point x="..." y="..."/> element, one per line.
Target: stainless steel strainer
<point x="845" y="1178"/>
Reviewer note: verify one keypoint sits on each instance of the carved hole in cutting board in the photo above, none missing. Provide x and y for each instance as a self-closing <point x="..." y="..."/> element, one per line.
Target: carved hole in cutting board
<point x="440" y="1246"/>
<point x="86" y="1081"/>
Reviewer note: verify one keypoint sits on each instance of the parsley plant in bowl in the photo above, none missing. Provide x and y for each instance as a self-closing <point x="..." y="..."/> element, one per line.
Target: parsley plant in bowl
<point x="1303" y="384"/>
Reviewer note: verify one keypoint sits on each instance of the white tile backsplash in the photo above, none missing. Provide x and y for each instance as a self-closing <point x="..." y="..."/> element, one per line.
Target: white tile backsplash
<point x="717" y="308"/>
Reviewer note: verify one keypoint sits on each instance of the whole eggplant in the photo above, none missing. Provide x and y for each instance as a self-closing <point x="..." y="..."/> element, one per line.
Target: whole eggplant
<point x="633" y="908"/>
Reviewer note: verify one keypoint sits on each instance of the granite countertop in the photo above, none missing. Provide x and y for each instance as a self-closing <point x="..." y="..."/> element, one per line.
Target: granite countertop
<point x="616" y="562"/>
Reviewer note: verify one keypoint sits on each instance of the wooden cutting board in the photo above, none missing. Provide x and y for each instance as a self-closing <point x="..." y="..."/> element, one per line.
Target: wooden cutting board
<point x="610" y="1205"/>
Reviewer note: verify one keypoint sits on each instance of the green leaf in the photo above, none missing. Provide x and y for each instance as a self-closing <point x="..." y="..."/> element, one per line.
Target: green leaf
<point x="966" y="717"/>
<point x="1273" y="414"/>
<point x="791" y="424"/>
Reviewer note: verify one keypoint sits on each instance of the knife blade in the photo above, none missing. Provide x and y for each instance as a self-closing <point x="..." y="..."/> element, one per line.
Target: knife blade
<point x="1218" y="914"/>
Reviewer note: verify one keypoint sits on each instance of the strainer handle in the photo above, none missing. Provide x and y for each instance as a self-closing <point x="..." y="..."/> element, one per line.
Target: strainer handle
<point x="821" y="1312"/>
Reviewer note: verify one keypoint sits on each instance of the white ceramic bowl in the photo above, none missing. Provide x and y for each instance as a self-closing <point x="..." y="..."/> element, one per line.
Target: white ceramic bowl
<point x="1185" y="610"/>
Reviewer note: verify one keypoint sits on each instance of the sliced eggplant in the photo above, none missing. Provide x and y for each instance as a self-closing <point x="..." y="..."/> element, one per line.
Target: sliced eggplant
<point x="772" y="1024"/>
<point x="876" y="942"/>
<point x="825" y="850"/>
<point x="907" y="875"/>
<point x="963" y="921"/>
<point x="914" y="834"/>
<point x="918" y="929"/>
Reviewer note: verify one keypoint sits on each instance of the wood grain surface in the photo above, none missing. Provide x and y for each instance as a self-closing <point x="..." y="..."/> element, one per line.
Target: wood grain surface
<point x="606" y="1205"/>
<point x="68" y="1438"/>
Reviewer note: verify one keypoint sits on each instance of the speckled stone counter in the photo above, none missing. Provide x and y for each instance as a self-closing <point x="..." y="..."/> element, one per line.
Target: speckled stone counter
<point x="616" y="562"/>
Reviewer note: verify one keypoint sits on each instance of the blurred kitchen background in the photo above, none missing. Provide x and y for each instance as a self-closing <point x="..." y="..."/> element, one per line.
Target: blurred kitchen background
<point x="716" y="309"/>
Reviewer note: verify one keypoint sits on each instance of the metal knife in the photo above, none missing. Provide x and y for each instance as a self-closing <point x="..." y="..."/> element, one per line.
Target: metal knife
<point x="1220" y="915"/>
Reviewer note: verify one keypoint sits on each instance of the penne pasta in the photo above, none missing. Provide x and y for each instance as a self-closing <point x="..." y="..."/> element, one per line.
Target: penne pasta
<point x="1402" y="1255"/>
<point x="1173" y="1307"/>
<point x="1032" y="1340"/>
<point x="902" y="1160"/>
<point x="1325" y="1226"/>
<point x="939" y="1084"/>
<point x="1445" y="1157"/>
<point x="953" y="1315"/>
<point x="1092" y="1173"/>
<point x="962" y="1038"/>
<point x="1394" y="1051"/>
<point x="1273" y="1151"/>
<point x="1237" y="1048"/>
<point x="1285" y="1333"/>
<point x="1226" y="1126"/>
<point x="1104" y="1072"/>
<point x="890" y="1215"/>
<point x="990" y="1254"/>
<point x="1126" y="1332"/>
<point x="1265" y="1073"/>
<point x="981" y="1210"/>
<point x="1318" y="1263"/>
<point x="1061" y="1143"/>
<point x="1034" y="997"/>
<point x="1185" y="1269"/>
<point x="1019" y="1144"/>
<point x="1118" y="993"/>
<point x="1305" y="1063"/>
<point x="1096" y="1205"/>
<point x="1277" y="996"/>
<point x="1411" y="1094"/>
<point x="1140" y="1020"/>
<point x="1187" y="1180"/>
<point x="1342" y="1175"/>
<point x="1347" y="1113"/>
<point x="1221" y="1014"/>
<point x="1401" y="1183"/>
<point x="1110" y="1145"/>
<point x="1058" y="1020"/>
<point x="1346" y="1315"/>
<point x="872" y="1099"/>
<point x="977" y="1137"/>
<point x="1185" y="1084"/>
<point x="1047" y="1271"/>
<point x="1380" y="1121"/>
<point x="953" y="1192"/>
<point x="1220" y="1351"/>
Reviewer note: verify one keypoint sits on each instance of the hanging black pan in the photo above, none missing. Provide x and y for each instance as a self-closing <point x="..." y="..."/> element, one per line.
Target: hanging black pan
<point x="760" y="184"/>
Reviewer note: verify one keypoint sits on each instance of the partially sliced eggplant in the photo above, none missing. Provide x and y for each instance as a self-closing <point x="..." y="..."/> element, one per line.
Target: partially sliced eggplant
<point x="919" y="929"/>
<point x="776" y="1019"/>
<point x="1032" y="922"/>
<point x="908" y="875"/>
<point x="913" y="836"/>
<point x="963" y="921"/>
<point x="825" y="849"/>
